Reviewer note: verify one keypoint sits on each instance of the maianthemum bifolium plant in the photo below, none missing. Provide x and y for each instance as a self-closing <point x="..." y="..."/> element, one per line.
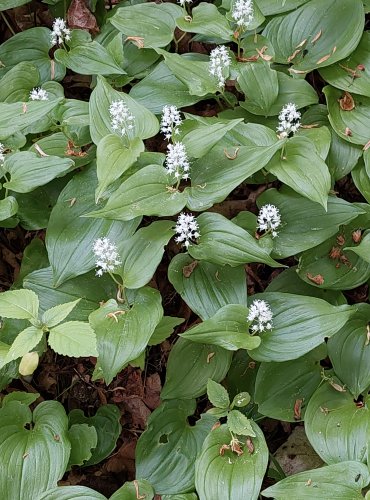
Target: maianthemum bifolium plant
<point x="288" y="140"/>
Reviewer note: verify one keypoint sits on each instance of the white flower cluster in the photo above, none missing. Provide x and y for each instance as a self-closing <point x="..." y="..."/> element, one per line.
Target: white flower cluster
<point x="2" y="156"/>
<point x="122" y="120"/>
<point x="242" y="13"/>
<point x="106" y="254"/>
<point x="177" y="161"/>
<point x="184" y="2"/>
<point x="171" y="121"/>
<point x="39" y="94"/>
<point x="269" y="219"/>
<point x="261" y="315"/>
<point x="60" y="32"/>
<point x="218" y="63"/>
<point x="187" y="229"/>
<point x="289" y="120"/>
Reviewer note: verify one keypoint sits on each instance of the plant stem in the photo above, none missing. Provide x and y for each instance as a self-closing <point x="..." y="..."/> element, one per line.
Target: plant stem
<point x="7" y="23"/>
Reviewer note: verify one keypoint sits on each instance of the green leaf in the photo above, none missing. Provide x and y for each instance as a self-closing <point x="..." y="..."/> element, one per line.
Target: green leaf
<point x="83" y="438"/>
<point x="123" y="335"/>
<point x="8" y="207"/>
<point x="23" y="397"/>
<point x="19" y="304"/>
<point x="284" y="389"/>
<point x="361" y="180"/>
<point x="181" y="496"/>
<point x="194" y="74"/>
<point x="305" y="224"/>
<point x="363" y="249"/>
<point x="142" y="253"/>
<point x="164" y="329"/>
<point x="227" y="475"/>
<point x="215" y="175"/>
<point x="207" y="287"/>
<point x="239" y="424"/>
<point x="70" y="238"/>
<point x="240" y="400"/>
<point x="289" y="89"/>
<point x="113" y="158"/>
<point x="89" y="58"/>
<point x="17" y="83"/>
<point x="356" y="120"/>
<point x="190" y="366"/>
<point x="342" y="481"/>
<point x="159" y="87"/>
<point x="223" y="242"/>
<point x="217" y="394"/>
<point x="286" y="33"/>
<point x="339" y="75"/>
<point x="10" y="4"/>
<point x="71" y="493"/>
<point x="14" y="117"/>
<point x="228" y="328"/>
<point x="303" y="170"/>
<point x="165" y="452"/>
<point x="343" y="271"/>
<point x="57" y="314"/>
<point x="32" y="45"/>
<point x="25" y="341"/>
<point x="90" y="289"/>
<point x="146" y="192"/>
<point x="21" y="448"/>
<point x="28" y="171"/>
<point x="151" y="22"/>
<point x="201" y="140"/>
<point x="207" y="20"/>
<point x="146" y="124"/>
<point x="73" y="338"/>
<point x="349" y="351"/>
<point x="260" y="85"/>
<point x="106" y="422"/>
<point x="337" y="429"/>
<point x="133" y="490"/>
<point x="307" y="320"/>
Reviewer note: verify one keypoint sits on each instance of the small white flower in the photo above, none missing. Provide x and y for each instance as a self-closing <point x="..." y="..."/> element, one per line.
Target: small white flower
<point x="106" y="254"/>
<point x="184" y="2"/>
<point x="171" y="121"/>
<point x="60" y="32"/>
<point x="39" y="94"/>
<point x="187" y="229"/>
<point x="269" y="219"/>
<point x="242" y="13"/>
<point x="122" y="120"/>
<point x="289" y="120"/>
<point x="260" y="315"/>
<point x="177" y="161"/>
<point x="218" y="63"/>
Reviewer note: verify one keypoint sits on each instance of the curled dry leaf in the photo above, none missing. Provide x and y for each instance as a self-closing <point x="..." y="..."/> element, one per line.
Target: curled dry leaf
<point x="316" y="37"/>
<point x="346" y="102"/>
<point x="188" y="270"/>
<point x="318" y="279"/>
<point x="357" y="236"/>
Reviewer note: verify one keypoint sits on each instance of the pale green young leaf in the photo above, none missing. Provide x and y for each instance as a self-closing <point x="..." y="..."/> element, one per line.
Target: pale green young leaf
<point x="57" y="314"/>
<point x="73" y="338"/>
<point x="239" y="424"/>
<point x="19" y="304"/>
<point x="25" y="341"/>
<point x="217" y="394"/>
